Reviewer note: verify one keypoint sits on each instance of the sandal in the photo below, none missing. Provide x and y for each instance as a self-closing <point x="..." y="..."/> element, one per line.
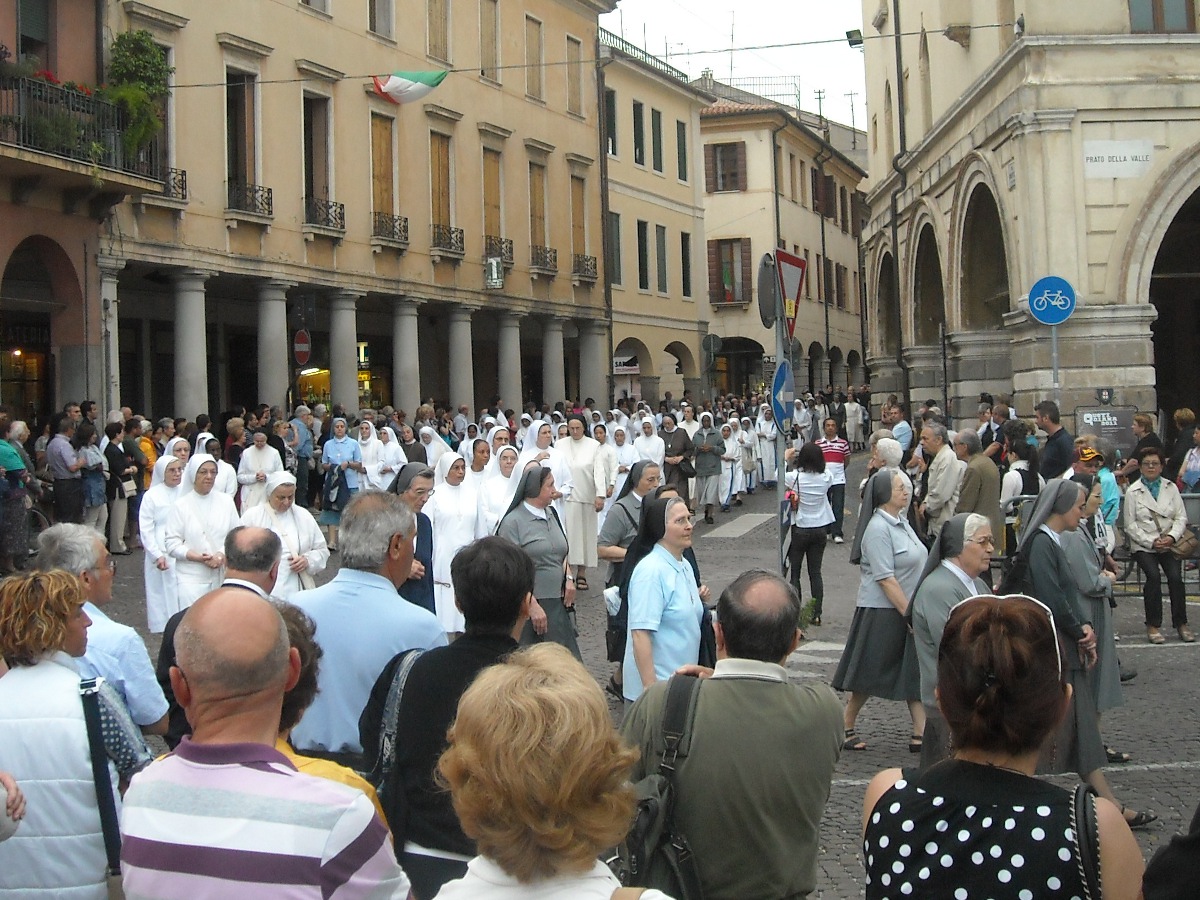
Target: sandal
<point x="581" y="584"/>
<point x="915" y="743"/>
<point x="613" y="688"/>
<point x="852" y="741"/>
<point x="1116" y="756"/>
<point x="1139" y="820"/>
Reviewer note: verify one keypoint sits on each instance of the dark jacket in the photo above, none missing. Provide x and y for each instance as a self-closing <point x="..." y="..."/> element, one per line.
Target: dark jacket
<point x="420" y="590"/>
<point x="118" y="462"/>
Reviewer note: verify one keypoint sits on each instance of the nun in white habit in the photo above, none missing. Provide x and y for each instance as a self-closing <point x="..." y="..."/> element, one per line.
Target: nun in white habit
<point x="258" y="463"/>
<point x="496" y="494"/>
<point x="540" y="448"/>
<point x="370" y="447"/>
<point x="227" y="482"/>
<point x="434" y="446"/>
<point x="158" y="566"/>
<point x="526" y="424"/>
<point x="627" y="457"/>
<point x="649" y="445"/>
<point x="305" y="552"/>
<point x="606" y="464"/>
<point x="196" y="530"/>
<point x="767" y="430"/>
<point x="391" y="460"/>
<point x="453" y="511"/>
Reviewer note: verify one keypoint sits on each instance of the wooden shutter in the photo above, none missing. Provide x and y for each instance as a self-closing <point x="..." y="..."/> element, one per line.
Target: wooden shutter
<point x="578" y="215"/>
<point x="710" y="169"/>
<point x="716" y="292"/>
<point x="439" y="177"/>
<point x="829" y="196"/>
<point x="492" y="225"/>
<point x="741" y="165"/>
<point x="382" y="195"/>
<point x="537" y="204"/>
<point x="747" y="266"/>
<point x="533" y="57"/>
<point x="439" y="29"/>
<point x="489" y="27"/>
<point x="574" y="76"/>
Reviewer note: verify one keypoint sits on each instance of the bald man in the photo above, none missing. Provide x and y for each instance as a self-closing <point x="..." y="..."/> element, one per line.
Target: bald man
<point x="282" y="831"/>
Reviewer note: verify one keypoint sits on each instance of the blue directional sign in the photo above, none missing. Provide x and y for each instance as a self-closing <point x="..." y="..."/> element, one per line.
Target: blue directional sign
<point x="1052" y="300"/>
<point x="783" y="391"/>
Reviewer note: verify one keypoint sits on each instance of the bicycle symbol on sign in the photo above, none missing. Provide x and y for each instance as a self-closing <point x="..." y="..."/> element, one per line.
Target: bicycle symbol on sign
<point x="1057" y="299"/>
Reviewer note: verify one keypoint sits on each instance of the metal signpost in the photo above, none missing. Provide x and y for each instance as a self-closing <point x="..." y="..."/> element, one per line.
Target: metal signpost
<point x="1051" y="302"/>
<point x="770" y="311"/>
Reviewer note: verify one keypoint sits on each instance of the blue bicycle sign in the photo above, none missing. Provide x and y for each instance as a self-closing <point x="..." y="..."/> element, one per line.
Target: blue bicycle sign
<point x="1052" y="300"/>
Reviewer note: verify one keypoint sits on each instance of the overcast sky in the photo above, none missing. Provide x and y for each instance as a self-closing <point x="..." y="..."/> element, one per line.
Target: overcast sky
<point x="681" y="28"/>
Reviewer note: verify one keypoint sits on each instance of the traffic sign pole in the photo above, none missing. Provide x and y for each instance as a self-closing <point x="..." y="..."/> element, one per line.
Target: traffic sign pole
<point x="1051" y="302"/>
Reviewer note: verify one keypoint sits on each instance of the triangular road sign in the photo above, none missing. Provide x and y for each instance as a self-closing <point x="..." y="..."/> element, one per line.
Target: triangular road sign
<point x="791" y="270"/>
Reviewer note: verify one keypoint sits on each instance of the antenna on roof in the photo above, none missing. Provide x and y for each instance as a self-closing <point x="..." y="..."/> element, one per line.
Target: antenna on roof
<point x="853" y="126"/>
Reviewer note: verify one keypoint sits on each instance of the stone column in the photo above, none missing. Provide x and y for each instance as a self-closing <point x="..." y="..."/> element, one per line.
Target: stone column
<point x="593" y="374"/>
<point x="554" y="377"/>
<point x="274" y="343"/>
<point x="343" y="349"/>
<point x="406" y="369"/>
<point x="648" y="388"/>
<point x="191" y="339"/>
<point x="511" y="392"/>
<point x="109" y="270"/>
<point x="462" y="366"/>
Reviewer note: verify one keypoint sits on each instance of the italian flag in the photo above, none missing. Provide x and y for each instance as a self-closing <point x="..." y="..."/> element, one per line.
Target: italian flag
<point x="405" y="87"/>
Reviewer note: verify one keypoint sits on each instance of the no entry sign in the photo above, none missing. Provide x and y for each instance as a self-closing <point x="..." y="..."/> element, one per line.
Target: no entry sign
<point x="302" y="347"/>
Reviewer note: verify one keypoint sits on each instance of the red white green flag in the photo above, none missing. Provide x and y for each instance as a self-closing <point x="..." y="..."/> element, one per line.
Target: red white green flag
<point x="405" y="87"/>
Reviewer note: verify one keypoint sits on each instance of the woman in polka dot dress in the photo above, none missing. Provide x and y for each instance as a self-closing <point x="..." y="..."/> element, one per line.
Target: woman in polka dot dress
<point x="980" y="825"/>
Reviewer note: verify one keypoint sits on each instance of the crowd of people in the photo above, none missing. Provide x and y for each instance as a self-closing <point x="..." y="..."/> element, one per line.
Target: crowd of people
<point x="453" y="745"/>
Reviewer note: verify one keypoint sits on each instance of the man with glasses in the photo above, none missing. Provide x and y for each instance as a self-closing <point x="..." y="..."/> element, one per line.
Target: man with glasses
<point x="414" y="485"/>
<point x="114" y="651"/>
<point x="360" y="623"/>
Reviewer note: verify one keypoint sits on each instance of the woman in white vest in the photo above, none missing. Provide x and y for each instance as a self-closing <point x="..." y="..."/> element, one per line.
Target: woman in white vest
<point x="196" y="529"/>
<point x="305" y="552"/>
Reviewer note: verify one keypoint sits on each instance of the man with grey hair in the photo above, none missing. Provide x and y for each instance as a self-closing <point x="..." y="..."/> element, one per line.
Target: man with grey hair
<point x="114" y="651"/>
<point x="362" y="622"/>
<point x="215" y="807"/>
<point x="941" y="490"/>
<point x="750" y="719"/>
<point x="979" y="491"/>
<point x="302" y="421"/>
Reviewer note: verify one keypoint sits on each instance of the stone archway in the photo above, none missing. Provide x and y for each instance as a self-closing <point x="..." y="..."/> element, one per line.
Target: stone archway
<point x="929" y="307"/>
<point x="888" y="303"/>
<point x="985" y="288"/>
<point x="836" y="369"/>
<point x="854" y="368"/>
<point x="635" y="374"/>
<point x="1174" y="283"/>
<point x="738" y="366"/>
<point x="818" y="370"/>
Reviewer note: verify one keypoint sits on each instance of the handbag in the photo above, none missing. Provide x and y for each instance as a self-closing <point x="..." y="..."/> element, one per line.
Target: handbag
<point x="686" y="468"/>
<point x="1186" y="546"/>
<point x="128" y="487"/>
<point x="89" y="692"/>
<point x="1087" y="839"/>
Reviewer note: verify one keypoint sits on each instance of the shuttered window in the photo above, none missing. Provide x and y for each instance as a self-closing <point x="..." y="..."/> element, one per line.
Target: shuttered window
<point x="614" y="248"/>
<point x="382" y="166"/>
<point x="660" y="252"/>
<point x="239" y="127"/>
<point x="578" y="215"/>
<point x="681" y="150"/>
<point x="491" y="194"/>
<point x="489" y="39"/>
<point x="439" y="28"/>
<point x="643" y="241"/>
<point x="656" y="139"/>
<point x="639" y="133"/>
<point x="534" y="84"/>
<point x="439" y="178"/>
<point x="685" y="262"/>
<point x="574" y="76"/>
<point x="725" y="167"/>
<point x="35" y="20"/>
<point x="537" y="204"/>
<point x="729" y="275"/>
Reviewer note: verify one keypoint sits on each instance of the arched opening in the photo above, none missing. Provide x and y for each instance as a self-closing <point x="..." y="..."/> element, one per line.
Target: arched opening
<point x="632" y="362"/>
<point x="854" y="368"/>
<point x="837" y="371"/>
<point x="818" y="372"/>
<point x="985" y="290"/>
<point x="685" y="361"/>
<point x="888" y="304"/>
<point x="738" y="366"/>
<point x="929" y="312"/>
<point x="41" y="306"/>
<point x="1174" y="285"/>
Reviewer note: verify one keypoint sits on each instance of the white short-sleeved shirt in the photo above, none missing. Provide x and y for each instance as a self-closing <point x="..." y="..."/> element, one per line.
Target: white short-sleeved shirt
<point x="487" y="881"/>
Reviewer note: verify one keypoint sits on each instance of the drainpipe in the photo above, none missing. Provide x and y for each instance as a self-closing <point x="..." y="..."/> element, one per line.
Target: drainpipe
<point x="905" y="386"/>
<point x="823" y="156"/>
<point x="605" y="237"/>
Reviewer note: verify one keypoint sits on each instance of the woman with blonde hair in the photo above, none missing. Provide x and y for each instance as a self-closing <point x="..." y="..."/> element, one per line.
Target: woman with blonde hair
<point x="539" y="779"/>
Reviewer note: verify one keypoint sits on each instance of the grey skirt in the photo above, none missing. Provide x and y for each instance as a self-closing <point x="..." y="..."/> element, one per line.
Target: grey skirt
<point x="560" y="627"/>
<point x="1105" y="676"/>
<point x="1076" y="745"/>
<point x="880" y="657"/>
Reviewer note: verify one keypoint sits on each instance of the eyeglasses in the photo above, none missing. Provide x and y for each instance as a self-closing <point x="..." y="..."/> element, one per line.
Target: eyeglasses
<point x="110" y="564"/>
<point x="983" y="541"/>
<point x="423" y="492"/>
<point x="1018" y="598"/>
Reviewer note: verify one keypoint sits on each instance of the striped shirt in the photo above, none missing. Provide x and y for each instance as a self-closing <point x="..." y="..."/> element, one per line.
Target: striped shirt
<point x="837" y="455"/>
<point x="238" y="820"/>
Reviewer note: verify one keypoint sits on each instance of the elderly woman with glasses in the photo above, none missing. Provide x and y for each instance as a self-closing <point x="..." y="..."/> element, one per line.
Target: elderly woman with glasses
<point x="981" y="822"/>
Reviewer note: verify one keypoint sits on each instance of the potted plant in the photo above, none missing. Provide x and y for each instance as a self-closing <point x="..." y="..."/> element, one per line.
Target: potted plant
<point x="138" y="84"/>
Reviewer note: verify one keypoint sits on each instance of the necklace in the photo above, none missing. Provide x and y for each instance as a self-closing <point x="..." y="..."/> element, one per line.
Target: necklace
<point x="992" y="765"/>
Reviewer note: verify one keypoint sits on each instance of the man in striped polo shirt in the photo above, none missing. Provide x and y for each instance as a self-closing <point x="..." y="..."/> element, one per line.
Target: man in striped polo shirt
<point x="837" y="456"/>
<point x="226" y="814"/>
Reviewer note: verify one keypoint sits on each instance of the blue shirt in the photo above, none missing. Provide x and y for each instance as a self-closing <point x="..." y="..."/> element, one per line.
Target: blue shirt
<point x="117" y="654"/>
<point x="304" y="450"/>
<point x="663" y="599"/>
<point x="337" y="452"/>
<point x="1110" y="493"/>
<point x="362" y="623"/>
<point x="903" y="433"/>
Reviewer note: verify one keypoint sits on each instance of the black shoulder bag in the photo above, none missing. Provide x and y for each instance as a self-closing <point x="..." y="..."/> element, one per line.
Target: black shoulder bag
<point x="655" y="854"/>
<point x="1087" y="839"/>
<point x="89" y="691"/>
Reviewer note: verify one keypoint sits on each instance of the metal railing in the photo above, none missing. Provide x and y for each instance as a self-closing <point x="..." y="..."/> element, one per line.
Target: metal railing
<point x="619" y="43"/>
<point x="251" y="198"/>
<point x="545" y="258"/>
<point x="392" y="228"/>
<point x="448" y="238"/>
<point x="324" y="213"/>
<point x="175" y="184"/>
<point x="37" y="115"/>
<point x="498" y="246"/>
<point x="584" y="267"/>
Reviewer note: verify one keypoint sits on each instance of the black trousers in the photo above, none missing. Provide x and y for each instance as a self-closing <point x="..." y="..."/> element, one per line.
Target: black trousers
<point x="1149" y="563"/>
<point x="837" y="499"/>
<point x="809" y="544"/>
<point x="68" y="500"/>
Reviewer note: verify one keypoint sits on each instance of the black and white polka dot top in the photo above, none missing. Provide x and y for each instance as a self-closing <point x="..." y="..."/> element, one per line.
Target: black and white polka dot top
<point x="964" y="831"/>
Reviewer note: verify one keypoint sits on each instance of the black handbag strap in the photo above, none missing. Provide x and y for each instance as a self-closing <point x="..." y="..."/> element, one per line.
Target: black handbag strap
<point x="89" y="691"/>
<point x="679" y="711"/>
<point x="1087" y="839"/>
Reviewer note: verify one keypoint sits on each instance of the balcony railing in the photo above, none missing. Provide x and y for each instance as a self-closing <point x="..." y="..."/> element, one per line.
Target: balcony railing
<point x="583" y="267"/>
<point x="325" y="213"/>
<point x="389" y="227"/>
<point x="37" y="115"/>
<point x="619" y="43"/>
<point x="448" y="239"/>
<point x="498" y="246"/>
<point x="175" y="184"/>
<point x="543" y="258"/>
<point x="251" y="198"/>
<point x="727" y="298"/>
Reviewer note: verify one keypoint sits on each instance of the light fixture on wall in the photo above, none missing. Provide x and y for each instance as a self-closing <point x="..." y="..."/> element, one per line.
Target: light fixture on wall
<point x="1019" y="27"/>
<point x="854" y="38"/>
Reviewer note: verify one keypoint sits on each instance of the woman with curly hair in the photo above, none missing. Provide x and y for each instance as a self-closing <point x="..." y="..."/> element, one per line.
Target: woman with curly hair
<point x="539" y="779"/>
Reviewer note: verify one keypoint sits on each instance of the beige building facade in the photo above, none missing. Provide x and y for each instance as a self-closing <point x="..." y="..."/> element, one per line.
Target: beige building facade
<point x="655" y="253"/>
<point x="297" y="197"/>
<point x="1045" y="143"/>
<point x="772" y="181"/>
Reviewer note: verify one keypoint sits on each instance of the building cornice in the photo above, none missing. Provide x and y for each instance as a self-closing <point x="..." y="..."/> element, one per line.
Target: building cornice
<point x="443" y="113"/>
<point x="318" y="71"/>
<point x="496" y="131"/>
<point x="145" y="14"/>
<point x="533" y="145"/>
<point x="243" y="45"/>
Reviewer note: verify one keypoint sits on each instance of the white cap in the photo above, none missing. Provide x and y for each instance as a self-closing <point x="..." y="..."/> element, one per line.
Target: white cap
<point x="8" y="827"/>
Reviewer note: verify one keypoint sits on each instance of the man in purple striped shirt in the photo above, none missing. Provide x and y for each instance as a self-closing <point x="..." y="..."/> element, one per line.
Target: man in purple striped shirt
<point x="226" y="814"/>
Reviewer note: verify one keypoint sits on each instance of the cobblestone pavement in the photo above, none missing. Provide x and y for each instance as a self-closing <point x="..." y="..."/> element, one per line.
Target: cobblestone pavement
<point x="1157" y="724"/>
